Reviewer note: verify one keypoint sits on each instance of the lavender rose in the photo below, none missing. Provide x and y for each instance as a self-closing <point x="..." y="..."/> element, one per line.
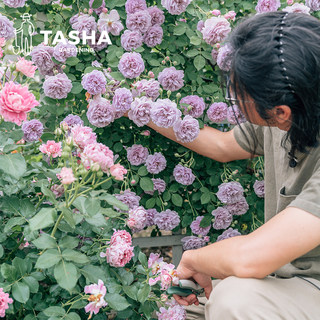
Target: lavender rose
<point x="156" y="163"/>
<point x="238" y="208"/>
<point x="57" y="87"/>
<point x="157" y="15"/>
<point x="137" y="154"/>
<point x="100" y="112"/>
<point x="129" y="198"/>
<point x="140" y="20"/>
<point x="186" y="130"/>
<point x="94" y="82"/>
<point x="150" y="88"/>
<point x="229" y="233"/>
<point x="85" y="24"/>
<point x="153" y="36"/>
<point x="314" y="5"/>
<point x="97" y="10"/>
<point x="140" y="111"/>
<point x="171" y="79"/>
<point x="267" y="5"/>
<point x="164" y="113"/>
<point x="72" y="121"/>
<point x="131" y="65"/>
<point x="223" y="218"/>
<point x="158" y="185"/>
<point x="175" y="6"/>
<point x="224" y="58"/>
<point x="192" y="242"/>
<point x="230" y="192"/>
<point x="217" y="112"/>
<point x="14" y="3"/>
<point x="6" y="28"/>
<point x="196" y="105"/>
<point x="63" y="51"/>
<point x="234" y="115"/>
<point x="131" y="40"/>
<point x="42" y="58"/>
<point x="183" y="175"/>
<point x="133" y="6"/>
<point x="167" y="220"/>
<point x="32" y="130"/>
<point x="258" y="188"/>
<point x="151" y="213"/>
<point x="196" y="229"/>
<point x="122" y="100"/>
<point x="215" y="30"/>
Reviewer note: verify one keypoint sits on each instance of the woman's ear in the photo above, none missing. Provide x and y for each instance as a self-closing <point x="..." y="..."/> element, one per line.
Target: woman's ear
<point x="282" y="116"/>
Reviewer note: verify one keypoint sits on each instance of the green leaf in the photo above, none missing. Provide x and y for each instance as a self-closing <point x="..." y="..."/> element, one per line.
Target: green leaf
<point x="192" y="53"/>
<point x="66" y="275"/>
<point x="146" y="184"/>
<point x="72" y="316"/>
<point x="48" y="259"/>
<point x="199" y="62"/>
<point x="143" y="293"/>
<point x="195" y="40"/>
<point x="12" y="222"/>
<point x="177" y="200"/>
<point x="45" y="241"/>
<point x="205" y="198"/>
<point x="68" y="216"/>
<point x="110" y="213"/>
<point x="13" y="164"/>
<point x="68" y="242"/>
<point x="143" y="259"/>
<point x="131" y="291"/>
<point x="96" y="4"/>
<point x="32" y="283"/>
<point x="180" y="29"/>
<point x="44" y="218"/>
<point x="76" y="87"/>
<point x="79" y="204"/>
<point x="72" y="255"/>
<point x="1" y="251"/>
<point x="8" y="272"/>
<point x="94" y="273"/>
<point x="113" y="201"/>
<point x="125" y="276"/>
<point x="154" y="62"/>
<point x="150" y="203"/>
<point x="206" y="221"/>
<point x="20" y="265"/>
<point x="97" y="220"/>
<point x="72" y="61"/>
<point x="117" y="76"/>
<point x="54" y="311"/>
<point x="116" y="301"/>
<point x="142" y="171"/>
<point x="20" y="292"/>
<point x="92" y="206"/>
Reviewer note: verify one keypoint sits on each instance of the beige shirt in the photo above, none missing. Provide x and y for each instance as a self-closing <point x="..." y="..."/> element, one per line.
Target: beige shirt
<point x="285" y="186"/>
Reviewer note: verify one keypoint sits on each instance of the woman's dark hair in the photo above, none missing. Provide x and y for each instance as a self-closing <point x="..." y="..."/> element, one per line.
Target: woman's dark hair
<point x="277" y="62"/>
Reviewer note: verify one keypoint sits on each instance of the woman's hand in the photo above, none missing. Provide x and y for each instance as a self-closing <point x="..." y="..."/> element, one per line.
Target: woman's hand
<point x="185" y="271"/>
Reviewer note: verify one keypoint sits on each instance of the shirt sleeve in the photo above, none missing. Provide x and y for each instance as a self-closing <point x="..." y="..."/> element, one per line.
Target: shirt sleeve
<point x="309" y="197"/>
<point x="250" y="137"/>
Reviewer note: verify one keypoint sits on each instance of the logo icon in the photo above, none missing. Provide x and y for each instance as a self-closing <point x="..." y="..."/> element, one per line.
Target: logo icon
<point x="23" y="36"/>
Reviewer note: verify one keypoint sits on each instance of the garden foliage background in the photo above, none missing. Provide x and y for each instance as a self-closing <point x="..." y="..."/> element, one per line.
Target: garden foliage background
<point x="54" y="228"/>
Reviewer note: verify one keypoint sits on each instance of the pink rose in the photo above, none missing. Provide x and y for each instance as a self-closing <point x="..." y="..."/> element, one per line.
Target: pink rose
<point x="1" y="53"/>
<point x="83" y="136"/>
<point x="96" y="299"/>
<point x="5" y="300"/>
<point x="216" y="12"/>
<point x="66" y="176"/>
<point x="26" y="67"/>
<point x="118" y="171"/>
<point x="51" y="148"/>
<point x="15" y="102"/>
<point x="118" y="254"/>
<point x="215" y="30"/>
<point x="230" y="15"/>
<point x="121" y="235"/>
<point x="2" y="42"/>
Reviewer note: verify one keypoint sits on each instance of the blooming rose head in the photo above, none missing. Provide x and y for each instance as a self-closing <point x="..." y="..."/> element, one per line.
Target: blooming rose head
<point x="217" y="112"/>
<point x="157" y="15"/>
<point x="51" y="148"/>
<point x="118" y="254"/>
<point x="85" y="24"/>
<point x="122" y="100"/>
<point x="222" y="218"/>
<point x="121" y="235"/>
<point x="110" y="22"/>
<point x="131" y="40"/>
<point x="230" y="192"/>
<point x="26" y="67"/>
<point x="32" y="130"/>
<point x="129" y="198"/>
<point x="230" y="15"/>
<point x="156" y="163"/>
<point x="5" y="301"/>
<point x="175" y="6"/>
<point x="195" y="106"/>
<point x="83" y="136"/>
<point x="137" y="154"/>
<point x="72" y="120"/>
<point x="14" y="3"/>
<point x="196" y="229"/>
<point x="94" y="82"/>
<point x="183" y="175"/>
<point x="6" y="28"/>
<point x="150" y="88"/>
<point x="42" y="57"/>
<point x="137" y="219"/>
<point x="62" y="51"/>
<point x="267" y="5"/>
<point x="100" y="112"/>
<point x="224" y="58"/>
<point x="153" y="36"/>
<point x="96" y="299"/>
<point x="97" y="153"/>
<point x="298" y="8"/>
<point x="314" y="5"/>
<point x="238" y="208"/>
<point x="258" y="188"/>
<point x="140" y="111"/>
<point x="167" y="220"/>
<point x="140" y="20"/>
<point x="186" y="130"/>
<point x="192" y="242"/>
<point x="171" y="79"/>
<point x="215" y="30"/>
<point x="58" y="86"/>
<point x="15" y="102"/>
<point x="131" y="65"/>
<point x="229" y="233"/>
<point x="66" y="176"/>
<point x="164" y="113"/>
<point x="133" y="6"/>
<point x="117" y="171"/>
<point x="234" y="115"/>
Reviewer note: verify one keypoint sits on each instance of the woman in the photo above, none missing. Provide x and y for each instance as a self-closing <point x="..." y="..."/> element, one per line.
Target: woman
<point x="274" y="272"/>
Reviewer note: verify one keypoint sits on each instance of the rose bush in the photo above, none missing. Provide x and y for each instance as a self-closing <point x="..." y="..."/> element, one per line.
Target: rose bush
<point x="78" y="179"/>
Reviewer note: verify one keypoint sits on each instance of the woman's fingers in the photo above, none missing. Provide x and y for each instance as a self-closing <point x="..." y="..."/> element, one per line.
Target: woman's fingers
<point x="186" y="301"/>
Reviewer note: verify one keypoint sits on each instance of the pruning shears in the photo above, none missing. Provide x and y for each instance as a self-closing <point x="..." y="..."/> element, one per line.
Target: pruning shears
<point x="185" y="288"/>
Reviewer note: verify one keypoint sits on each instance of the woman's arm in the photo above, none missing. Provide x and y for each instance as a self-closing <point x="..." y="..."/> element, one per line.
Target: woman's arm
<point x="287" y="236"/>
<point x="211" y="143"/>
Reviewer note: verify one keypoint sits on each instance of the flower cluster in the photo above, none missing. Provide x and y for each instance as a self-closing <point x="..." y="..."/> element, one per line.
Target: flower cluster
<point x="96" y="298"/>
<point x="4" y="302"/>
